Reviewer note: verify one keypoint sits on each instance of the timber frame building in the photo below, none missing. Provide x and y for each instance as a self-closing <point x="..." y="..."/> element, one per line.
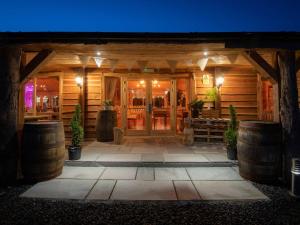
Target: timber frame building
<point x="151" y="79"/>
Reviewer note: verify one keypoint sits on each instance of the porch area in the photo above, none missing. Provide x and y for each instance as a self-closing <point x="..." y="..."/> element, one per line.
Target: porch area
<point x="159" y="150"/>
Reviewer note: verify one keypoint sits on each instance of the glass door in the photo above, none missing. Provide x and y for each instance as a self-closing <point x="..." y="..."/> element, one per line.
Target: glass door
<point x="162" y="119"/>
<point x="149" y="106"/>
<point x="137" y="102"/>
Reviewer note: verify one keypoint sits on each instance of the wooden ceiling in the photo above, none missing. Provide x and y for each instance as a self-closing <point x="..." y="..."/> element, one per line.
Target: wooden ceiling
<point x="156" y="55"/>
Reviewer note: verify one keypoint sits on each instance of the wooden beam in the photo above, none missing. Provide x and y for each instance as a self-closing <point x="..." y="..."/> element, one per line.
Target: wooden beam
<point x="36" y="63"/>
<point x="297" y="64"/>
<point x="261" y="65"/>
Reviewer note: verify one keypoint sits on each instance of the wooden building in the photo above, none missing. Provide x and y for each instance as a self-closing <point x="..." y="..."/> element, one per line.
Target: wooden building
<point x="150" y="77"/>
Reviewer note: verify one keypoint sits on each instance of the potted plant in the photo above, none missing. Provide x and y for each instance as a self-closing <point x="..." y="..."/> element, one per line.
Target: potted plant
<point x="196" y="107"/>
<point x="231" y="135"/>
<point x="211" y="97"/>
<point x="77" y="135"/>
<point x="108" y="104"/>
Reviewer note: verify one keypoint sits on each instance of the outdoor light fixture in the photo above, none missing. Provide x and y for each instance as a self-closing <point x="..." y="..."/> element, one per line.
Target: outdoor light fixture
<point x="79" y="81"/>
<point x="205" y="53"/>
<point x="219" y="81"/>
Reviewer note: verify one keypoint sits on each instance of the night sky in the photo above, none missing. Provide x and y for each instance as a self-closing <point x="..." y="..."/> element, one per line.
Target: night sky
<point x="150" y="15"/>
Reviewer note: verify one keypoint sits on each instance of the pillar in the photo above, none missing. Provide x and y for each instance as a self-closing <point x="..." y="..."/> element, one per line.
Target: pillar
<point x="289" y="111"/>
<point x="10" y="58"/>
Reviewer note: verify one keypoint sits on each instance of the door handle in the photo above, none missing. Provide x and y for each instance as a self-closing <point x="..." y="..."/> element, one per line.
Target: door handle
<point x="149" y="108"/>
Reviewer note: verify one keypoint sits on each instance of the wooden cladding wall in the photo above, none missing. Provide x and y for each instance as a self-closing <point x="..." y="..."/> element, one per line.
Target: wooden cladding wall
<point x="71" y="97"/>
<point x="239" y="89"/>
<point x="93" y="96"/>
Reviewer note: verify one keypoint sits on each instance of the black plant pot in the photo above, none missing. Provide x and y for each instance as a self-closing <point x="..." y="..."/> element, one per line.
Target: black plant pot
<point x="74" y="152"/>
<point x="195" y="113"/>
<point x="231" y="153"/>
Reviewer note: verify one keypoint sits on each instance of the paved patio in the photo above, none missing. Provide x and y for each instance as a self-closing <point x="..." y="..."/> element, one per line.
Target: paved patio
<point x="154" y="149"/>
<point x="146" y="183"/>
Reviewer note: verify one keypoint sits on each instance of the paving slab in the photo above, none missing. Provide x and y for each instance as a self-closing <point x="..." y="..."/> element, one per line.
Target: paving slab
<point x="213" y="173"/>
<point x="143" y="190"/>
<point x="145" y="173"/>
<point x="185" y="190"/>
<point x="102" y="190"/>
<point x="60" y="189"/>
<point x="73" y="172"/>
<point x="119" y="158"/>
<point x="228" y="190"/>
<point x="89" y="155"/>
<point x="171" y="174"/>
<point x="185" y="158"/>
<point x="216" y="157"/>
<point x="115" y="173"/>
<point x="155" y="157"/>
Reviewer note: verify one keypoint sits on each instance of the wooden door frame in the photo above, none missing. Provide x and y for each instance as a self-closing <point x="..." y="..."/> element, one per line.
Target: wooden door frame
<point x="148" y="78"/>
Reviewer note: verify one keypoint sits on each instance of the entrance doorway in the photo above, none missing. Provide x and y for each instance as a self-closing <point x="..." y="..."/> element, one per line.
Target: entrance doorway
<point x="151" y="105"/>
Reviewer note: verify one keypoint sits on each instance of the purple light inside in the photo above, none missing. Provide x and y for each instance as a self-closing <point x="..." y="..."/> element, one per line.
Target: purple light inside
<point x="28" y="95"/>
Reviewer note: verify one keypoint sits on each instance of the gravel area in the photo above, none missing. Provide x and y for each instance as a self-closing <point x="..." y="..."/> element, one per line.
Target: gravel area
<point x="280" y="210"/>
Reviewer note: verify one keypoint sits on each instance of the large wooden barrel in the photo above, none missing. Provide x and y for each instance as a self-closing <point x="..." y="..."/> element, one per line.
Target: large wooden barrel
<point x="105" y="123"/>
<point x="43" y="150"/>
<point x="259" y="151"/>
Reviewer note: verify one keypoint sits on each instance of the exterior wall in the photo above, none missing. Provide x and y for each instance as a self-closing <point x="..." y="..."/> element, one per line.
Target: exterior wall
<point x="239" y="89"/>
<point x="70" y="97"/>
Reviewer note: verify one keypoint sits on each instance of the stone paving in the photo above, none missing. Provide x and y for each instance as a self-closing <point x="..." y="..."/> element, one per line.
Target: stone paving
<point x="154" y="149"/>
<point x="146" y="183"/>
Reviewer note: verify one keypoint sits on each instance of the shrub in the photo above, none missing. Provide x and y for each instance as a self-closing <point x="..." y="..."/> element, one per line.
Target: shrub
<point x="231" y="132"/>
<point x="76" y="128"/>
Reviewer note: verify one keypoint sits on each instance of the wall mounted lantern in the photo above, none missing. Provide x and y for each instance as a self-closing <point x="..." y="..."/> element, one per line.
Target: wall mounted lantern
<point x="219" y="81"/>
<point x="79" y="81"/>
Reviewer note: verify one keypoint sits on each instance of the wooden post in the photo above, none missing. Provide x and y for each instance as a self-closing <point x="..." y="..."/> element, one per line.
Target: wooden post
<point x="259" y="97"/>
<point x="276" y="98"/>
<point x="10" y="60"/>
<point x="289" y="111"/>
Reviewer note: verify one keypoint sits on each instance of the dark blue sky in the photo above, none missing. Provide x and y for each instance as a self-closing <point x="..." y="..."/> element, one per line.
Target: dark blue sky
<point x="150" y="16"/>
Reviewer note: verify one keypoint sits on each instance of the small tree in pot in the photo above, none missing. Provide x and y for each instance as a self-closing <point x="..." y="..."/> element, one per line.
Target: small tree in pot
<point x="196" y="107"/>
<point x="77" y="134"/>
<point x="231" y="135"/>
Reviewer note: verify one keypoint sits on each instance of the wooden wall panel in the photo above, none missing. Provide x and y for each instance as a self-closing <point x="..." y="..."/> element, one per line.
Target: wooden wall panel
<point x="70" y="97"/>
<point x="239" y="89"/>
<point x="93" y="103"/>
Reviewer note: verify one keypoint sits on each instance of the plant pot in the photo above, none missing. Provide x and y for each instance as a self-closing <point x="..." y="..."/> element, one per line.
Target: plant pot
<point x="195" y="113"/>
<point x="74" y="152"/>
<point x="231" y="152"/>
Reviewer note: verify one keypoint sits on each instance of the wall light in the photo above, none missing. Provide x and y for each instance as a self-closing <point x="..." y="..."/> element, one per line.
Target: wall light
<point x="79" y="81"/>
<point x="219" y="81"/>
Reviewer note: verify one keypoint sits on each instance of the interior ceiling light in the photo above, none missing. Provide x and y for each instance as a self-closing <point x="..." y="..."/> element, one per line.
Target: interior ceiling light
<point x="98" y="61"/>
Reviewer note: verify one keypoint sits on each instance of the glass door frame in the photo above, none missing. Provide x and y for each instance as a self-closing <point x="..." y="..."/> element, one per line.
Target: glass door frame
<point x="148" y="100"/>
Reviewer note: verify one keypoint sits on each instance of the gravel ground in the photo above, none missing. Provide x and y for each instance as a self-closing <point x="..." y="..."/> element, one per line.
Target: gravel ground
<point x="280" y="210"/>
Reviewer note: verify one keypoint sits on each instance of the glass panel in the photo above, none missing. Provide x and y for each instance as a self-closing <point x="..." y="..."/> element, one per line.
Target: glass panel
<point x="113" y="92"/>
<point x="181" y="103"/>
<point x="47" y="97"/>
<point x="161" y="105"/>
<point x="136" y="105"/>
<point x="28" y="96"/>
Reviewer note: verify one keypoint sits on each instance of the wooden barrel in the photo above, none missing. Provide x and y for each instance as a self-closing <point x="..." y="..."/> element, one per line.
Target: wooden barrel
<point x="43" y="150"/>
<point x="105" y="123"/>
<point x="259" y="151"/>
